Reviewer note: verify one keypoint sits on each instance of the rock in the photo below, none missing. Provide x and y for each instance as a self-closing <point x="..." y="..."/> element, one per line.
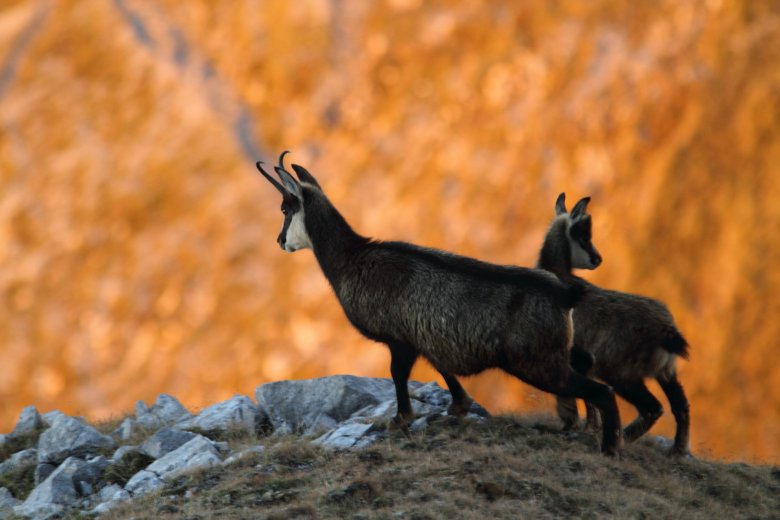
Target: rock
<point x="129" y="429"/>
<point x="237" y="412"/>
<point x="29" y="422"/>
<point x="19" y="459"/>
<point x="3" y="439"/>
<point x="7" y="502"/>
<point x="91" y="473"/>
<point x="197" y="453"/>
<point x="350" y="434"/>
<point x="51" y="417"/>
<point x="165" y="441"/>
<point x="439" y="398"/>
<point x="109" y="497"/>
<point x="111" y="492"/>
<point x="311" y="405"/>
<point x="42" y="512"/>
<point x="56" y="492"/>
<point x="42" y="472"/>
<point x="248" y="452"/>
<point x="165" y="411"/>
<point x="143" y="482"/>
<point x="69" y="437"/>
<point x="122" y="451"/>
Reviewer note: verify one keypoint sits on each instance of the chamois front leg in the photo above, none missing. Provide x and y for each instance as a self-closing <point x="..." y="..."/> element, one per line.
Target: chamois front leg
<point x="461" y="402"/>
<point x="582" y="362"/>
<point x="402" y="358"/>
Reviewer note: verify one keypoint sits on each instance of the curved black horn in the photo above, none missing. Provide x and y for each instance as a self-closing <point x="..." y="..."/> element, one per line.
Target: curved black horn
<point x="270" y="179"/>
<point x="281" y="159"/>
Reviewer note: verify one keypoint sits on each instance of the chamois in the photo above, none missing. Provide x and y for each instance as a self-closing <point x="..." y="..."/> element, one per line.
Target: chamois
<point x="462" y="315"/>
<point x="620" y="338"/>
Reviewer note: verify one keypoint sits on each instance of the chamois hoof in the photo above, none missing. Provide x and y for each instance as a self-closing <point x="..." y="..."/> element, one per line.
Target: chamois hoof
<point x="460" y="408"/>
<point x="571" y="426"/>
<point x="680" y="453"/>
<point x="402" y="421"/>
<point x="613" y="449"/>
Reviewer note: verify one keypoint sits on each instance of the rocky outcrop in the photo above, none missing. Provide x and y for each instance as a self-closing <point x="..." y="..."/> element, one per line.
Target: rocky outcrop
<point x="312" y="405"/>
<point x="165" y="441"/>
<point x="239" y="413"/>
<point x="72" y="473"/>
<point x="69" y="437"/>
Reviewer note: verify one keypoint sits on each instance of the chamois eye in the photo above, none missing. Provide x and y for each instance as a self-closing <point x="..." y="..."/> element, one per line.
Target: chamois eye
<point x="284" y="211"/>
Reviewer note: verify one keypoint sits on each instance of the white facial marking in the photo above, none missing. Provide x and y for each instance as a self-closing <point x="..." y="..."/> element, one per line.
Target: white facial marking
<point x="297" y="236"/>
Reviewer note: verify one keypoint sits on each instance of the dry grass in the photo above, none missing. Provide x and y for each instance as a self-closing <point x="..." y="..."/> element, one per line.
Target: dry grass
<point x="508" y="467"/>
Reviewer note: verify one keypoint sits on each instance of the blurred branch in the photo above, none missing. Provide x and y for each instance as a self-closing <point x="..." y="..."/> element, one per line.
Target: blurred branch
<point x="31" y="30"/>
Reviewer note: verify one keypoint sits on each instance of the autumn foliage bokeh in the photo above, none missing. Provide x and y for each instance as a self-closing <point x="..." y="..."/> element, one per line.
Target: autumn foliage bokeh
<point x="137" y="243"/>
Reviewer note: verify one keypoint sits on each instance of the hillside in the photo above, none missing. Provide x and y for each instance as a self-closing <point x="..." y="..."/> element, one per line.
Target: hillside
<point x="328" y="448"/>
<point x="137" y="242"/>
<point x="508" y="467"/>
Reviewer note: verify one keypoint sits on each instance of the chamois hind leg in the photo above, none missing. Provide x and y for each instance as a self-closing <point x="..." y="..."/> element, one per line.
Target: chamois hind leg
<point x="461" y="402"/>
<point x="402" y="358"/>
<point x="603" y="397"/>
<point x="681" y="410"/>
<point x="647" y="405"/>
<point x="577" y="386"/>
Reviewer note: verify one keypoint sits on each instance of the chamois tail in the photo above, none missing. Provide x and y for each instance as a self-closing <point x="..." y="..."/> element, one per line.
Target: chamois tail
<point x="674" y="343"/>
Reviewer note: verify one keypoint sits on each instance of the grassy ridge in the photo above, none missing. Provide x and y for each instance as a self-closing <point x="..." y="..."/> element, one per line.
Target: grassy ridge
<point x="508" y="467"/>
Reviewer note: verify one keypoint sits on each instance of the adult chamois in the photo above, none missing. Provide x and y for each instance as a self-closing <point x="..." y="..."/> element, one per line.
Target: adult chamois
<point x="619" y="338"/>
<point x="462" y="315"/>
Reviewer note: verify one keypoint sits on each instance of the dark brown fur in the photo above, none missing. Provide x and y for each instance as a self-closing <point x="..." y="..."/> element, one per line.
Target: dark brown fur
<point x="629" y="337"/>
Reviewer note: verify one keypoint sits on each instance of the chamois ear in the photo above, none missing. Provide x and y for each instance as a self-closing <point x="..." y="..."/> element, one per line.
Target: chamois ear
<point x="580" y="207"/>
<point x="290" y="184"/>
<point x="305" y="176"/>
<point x="560" y="205"/>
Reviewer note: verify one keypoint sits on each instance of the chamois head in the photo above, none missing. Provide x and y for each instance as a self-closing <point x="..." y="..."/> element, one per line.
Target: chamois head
<point x="293" y="235"/>
<point x="578" y="232"/>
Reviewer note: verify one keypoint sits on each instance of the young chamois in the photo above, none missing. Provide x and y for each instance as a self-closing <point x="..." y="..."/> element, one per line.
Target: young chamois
<point x="619" y="338"/>
<point x="462" y="315"/>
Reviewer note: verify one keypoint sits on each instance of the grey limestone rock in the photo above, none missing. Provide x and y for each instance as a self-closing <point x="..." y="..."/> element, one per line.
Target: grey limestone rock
<point x="42" y="471"/>
<point x="143" y="482"/>
<point x="55" y="493"/>
<point x="69" y="437"/>
<point x="197" y="453"/>
<point x="165" y="441"/>
<point x="237" y="412"/>
<point x="29" y="421"/>
<point x="7" y="502"/>
<point x="165" y="411"/>
<point x="50" y="417"/>
<point x="350" y="434"/>
<point x="313" y="405"/>
<point x="19" y="459"/>
<point x="128" y="429"/>
<point x="122" y="451"/>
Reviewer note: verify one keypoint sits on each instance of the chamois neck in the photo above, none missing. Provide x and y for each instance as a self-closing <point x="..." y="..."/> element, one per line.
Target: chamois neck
<point x="555" y="255"/>
<point x="334" y="242"/>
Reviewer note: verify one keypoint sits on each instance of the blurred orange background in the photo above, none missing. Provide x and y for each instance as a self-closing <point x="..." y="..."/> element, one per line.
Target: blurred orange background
<point x="137" y="242"/>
